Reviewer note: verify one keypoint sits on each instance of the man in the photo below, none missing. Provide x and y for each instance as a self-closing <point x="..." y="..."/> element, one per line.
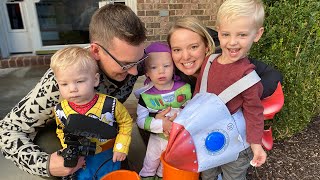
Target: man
<point x="117" y="38"/>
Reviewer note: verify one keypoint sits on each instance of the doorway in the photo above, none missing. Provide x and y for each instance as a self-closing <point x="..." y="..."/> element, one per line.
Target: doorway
<point x="16" y="27"/>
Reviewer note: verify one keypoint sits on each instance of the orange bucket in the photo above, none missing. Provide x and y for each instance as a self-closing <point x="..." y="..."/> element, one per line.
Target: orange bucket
<point x="172" y="173"/>
<point x="121" y="175"/>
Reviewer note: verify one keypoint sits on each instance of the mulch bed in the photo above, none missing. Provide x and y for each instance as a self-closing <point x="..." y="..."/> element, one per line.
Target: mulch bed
<point x="297" y="157"/>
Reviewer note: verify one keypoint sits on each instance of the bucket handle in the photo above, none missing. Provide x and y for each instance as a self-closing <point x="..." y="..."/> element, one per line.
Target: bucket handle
<point x="94" y="177"/>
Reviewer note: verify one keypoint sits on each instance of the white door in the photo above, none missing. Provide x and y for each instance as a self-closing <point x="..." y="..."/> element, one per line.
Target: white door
<point x="15" y="20"/>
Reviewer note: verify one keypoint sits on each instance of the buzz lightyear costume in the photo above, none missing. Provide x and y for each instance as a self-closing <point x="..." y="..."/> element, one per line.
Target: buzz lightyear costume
<point x="152" y="101"/>
<point x="110" y="111"/>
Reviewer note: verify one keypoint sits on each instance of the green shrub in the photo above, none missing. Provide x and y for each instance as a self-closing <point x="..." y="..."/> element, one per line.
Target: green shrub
<point x="291" y="44"/>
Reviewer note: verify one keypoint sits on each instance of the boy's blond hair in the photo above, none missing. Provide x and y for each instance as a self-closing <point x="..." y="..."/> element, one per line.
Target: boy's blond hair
<point x="193" y="24"/>
<point x="73" y="55"/>
<point x="231" y="9"/>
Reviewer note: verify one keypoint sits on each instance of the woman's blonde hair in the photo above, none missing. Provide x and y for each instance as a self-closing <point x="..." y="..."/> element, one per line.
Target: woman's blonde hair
<point x="193" y="24"/>
<point x="232" y="9"/>
<point x="73" y="55"/>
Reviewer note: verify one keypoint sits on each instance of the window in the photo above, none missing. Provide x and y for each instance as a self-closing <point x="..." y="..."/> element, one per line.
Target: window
<point x="67" y="22"/>
<point x="14" y="14"/>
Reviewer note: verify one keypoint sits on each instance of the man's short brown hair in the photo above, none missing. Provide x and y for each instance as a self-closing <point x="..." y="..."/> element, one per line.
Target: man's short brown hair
<point x="116" y="20"/>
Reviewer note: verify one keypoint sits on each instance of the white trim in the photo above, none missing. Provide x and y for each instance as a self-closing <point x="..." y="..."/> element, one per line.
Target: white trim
<point x="3" y="38"/>
<point x="34" y="25"/>
<point x="28" y="23"/>
<point x="132" y="4"/>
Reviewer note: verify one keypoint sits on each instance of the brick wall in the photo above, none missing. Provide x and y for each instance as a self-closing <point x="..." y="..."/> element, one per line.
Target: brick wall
<point x="159" y="14"/>
<point x="22" y="61"/>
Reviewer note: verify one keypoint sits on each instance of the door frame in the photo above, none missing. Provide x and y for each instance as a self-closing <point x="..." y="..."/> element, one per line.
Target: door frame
<point x="4" y="49"/>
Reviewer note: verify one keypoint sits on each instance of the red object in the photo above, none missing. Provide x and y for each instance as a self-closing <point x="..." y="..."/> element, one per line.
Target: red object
<point x="180" y="144"/>
<point x="267" y="139"/>
<point x="181" y="98"/>
<point x="161" y="102"/>
<point x="272" y="105"/>
<point x="83" y="109"/>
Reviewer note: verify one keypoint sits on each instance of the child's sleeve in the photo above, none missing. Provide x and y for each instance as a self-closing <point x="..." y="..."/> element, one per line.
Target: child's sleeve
<point x="145" y="121"/>
<point x="124" y="122"/>
<point x="253" y="113"/>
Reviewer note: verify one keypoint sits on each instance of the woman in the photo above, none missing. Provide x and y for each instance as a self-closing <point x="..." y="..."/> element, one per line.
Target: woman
<point x="191" y="44"/>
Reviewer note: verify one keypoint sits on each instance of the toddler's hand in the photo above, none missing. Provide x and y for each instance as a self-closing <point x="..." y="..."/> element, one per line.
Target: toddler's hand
<point x="162" y="114"/>
<point x="118" y="156"/>
<point x="259" y="155"/>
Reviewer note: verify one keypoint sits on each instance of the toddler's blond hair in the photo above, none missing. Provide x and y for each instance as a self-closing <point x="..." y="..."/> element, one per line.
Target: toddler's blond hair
<point x="73" y="55"/>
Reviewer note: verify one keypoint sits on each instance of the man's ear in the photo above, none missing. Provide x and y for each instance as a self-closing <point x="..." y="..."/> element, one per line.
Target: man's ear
<point x="96" y="80"/>
<point x="94" y="49"/>
<point x="258" y="34"/>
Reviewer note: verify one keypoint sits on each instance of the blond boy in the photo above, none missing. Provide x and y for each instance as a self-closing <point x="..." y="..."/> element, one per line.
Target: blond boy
<point x="239" y="25"/>
<point x="77" y="75"/>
